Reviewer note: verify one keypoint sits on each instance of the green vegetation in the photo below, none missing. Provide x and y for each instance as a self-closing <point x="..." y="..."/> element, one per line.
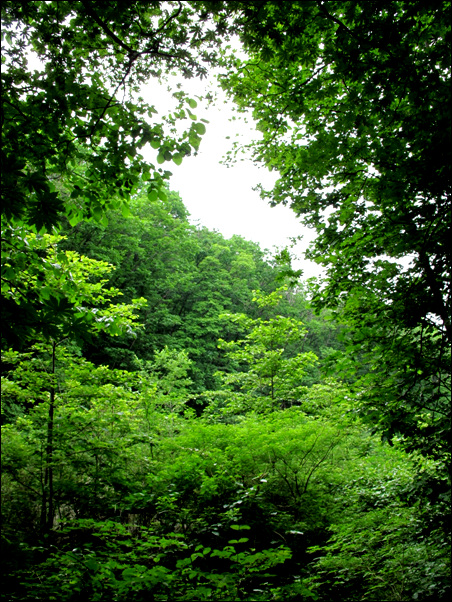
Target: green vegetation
<point x="182" y="419"/>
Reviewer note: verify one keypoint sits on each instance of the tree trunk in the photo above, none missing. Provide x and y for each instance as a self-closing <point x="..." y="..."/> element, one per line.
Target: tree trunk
<point x="47" y="508"/>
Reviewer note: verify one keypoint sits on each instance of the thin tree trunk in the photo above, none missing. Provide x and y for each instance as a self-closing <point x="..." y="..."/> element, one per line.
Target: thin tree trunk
<point x="47" y="511"/>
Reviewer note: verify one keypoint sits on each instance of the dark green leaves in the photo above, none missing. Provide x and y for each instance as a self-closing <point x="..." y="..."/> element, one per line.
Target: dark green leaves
<point x="72" y="109"/>
<point x="351" y="109"/>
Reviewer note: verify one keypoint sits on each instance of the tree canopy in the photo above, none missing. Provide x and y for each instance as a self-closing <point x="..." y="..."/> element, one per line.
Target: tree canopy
<point x="81" y="104"/>
<point x="181" y="418"/>
<point x="352" y="102"/>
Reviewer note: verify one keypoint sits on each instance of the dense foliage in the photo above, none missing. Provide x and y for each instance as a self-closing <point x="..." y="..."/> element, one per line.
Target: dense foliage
<point x="188" y="275"/>
<point x="181" y="418"/>
<point x="351" y="101"/>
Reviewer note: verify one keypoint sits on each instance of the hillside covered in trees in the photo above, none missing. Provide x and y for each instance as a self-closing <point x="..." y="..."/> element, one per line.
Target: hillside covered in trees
<point x="183" y="416"/>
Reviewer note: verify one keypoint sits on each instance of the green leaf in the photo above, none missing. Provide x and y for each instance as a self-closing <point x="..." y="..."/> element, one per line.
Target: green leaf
<point x="153" y="195"/>
<point x="129" y="574"/>
<point x="75" y="219"/>
<point x="97" y="212"/>
<point x="125" y="210"/>
<point x="92" y="564"/>
<point x="200" y="128"/>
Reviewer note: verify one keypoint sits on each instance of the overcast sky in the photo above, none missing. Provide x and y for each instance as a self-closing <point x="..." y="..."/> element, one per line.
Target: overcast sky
<point x="222" y="198"/>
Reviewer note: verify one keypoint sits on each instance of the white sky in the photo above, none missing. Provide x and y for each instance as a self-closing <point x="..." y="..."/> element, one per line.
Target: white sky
<point x="222" y="198"/>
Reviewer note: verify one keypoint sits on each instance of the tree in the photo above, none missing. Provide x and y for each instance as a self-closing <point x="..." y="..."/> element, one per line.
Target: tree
<point x="54" y="293"/>
<point x="72" y="442"/>
<point x="67" y="303"/>
<point x="386" y="545"/>
<point x="82" y="105"/>
<point x="188" y="275"/>
<point x="350" y="101"/>
<point x="266" y="376"/>
<point x="73" y="123"/>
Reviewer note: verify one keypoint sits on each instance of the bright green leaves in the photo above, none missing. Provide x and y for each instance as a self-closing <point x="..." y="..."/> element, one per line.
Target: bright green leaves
<point x="378" y="533"/>
<point x="346" y="96"/>
<point x="175" y="150"/>
<point x="125" y="210"/>
<point x="153" y="194"/>
<point x="252" y="497"/>
<point x="75" y="409"/>
<point x="58" y="293"/>
<point x="200" y="128"/>
<point x="166" y="387"/>
<point x="194" y="136"/>
<point x="75" y="218"/>
<point x="266" y="374"/>
<point x="189" y="275"/>
<point x="71" y="137"/>
<point x="156" y="192"/>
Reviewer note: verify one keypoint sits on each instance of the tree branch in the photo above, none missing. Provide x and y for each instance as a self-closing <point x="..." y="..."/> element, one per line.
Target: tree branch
<point x="335" y="19"/>
<point x="106" y="29"/>
<point x="170" y="18"/>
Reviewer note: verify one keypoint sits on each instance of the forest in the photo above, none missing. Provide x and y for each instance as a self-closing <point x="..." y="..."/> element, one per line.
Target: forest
<point x="185" y="417"/>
